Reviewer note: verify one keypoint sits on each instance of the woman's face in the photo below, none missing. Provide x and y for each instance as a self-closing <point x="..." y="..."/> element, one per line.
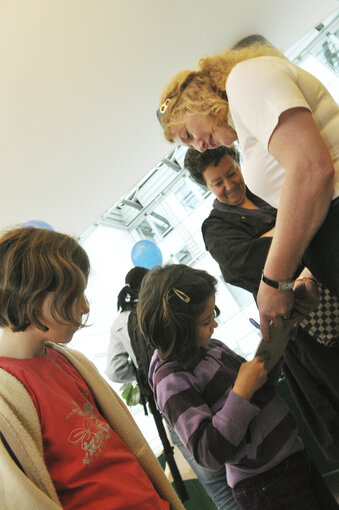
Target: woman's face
<point x="226" y="182"/>
<point x="206" y="322"/>
<point x="197" y="132"/>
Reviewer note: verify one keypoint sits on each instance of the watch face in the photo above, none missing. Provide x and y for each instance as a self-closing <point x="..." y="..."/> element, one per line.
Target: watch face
<point x="286" y="285"/>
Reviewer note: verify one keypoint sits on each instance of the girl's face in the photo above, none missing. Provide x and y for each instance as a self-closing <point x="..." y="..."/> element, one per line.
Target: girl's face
<point x="196" y="132"/>
<point x="206" y="322"/>
<point x="59" y="331"/>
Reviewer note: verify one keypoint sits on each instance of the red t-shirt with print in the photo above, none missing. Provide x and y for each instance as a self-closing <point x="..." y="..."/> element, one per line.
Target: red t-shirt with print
<point x="89" y="464"/>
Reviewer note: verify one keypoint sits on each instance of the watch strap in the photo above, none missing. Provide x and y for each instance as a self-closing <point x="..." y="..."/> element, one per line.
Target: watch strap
<point x="285" y="285"/>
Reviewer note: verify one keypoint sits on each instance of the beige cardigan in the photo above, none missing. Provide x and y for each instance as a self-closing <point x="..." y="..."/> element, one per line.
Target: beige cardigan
<point x="19" y="425"/>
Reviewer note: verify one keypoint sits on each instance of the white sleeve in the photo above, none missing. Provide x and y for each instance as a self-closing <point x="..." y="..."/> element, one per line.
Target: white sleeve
<point x="259" y="90"/>
<point x="120" y="365"/>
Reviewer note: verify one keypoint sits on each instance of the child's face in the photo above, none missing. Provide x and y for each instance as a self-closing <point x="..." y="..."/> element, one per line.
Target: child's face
<point x="206" y="322"/>
<point x="59" y="331"/>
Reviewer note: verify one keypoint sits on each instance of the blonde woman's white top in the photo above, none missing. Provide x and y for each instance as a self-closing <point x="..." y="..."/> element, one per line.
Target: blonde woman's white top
<point x="259" y="90"/>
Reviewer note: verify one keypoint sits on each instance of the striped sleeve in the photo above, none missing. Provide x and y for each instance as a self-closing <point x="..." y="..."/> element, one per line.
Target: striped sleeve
<point x="213" y="438"/>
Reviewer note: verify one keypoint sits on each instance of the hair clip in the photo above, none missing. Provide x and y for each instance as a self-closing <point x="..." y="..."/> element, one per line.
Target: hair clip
<point x="164" y="106"/>
<point x="160" y="112"/>
<point x="184" y="297"/>
<point x="162" y="109"/>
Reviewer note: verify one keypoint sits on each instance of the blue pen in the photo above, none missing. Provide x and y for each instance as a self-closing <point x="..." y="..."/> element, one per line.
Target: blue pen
<point x="255" y="324"/>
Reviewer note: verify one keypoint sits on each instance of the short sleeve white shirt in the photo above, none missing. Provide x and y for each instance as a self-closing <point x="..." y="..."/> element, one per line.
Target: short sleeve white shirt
<point x="259" y="90"/>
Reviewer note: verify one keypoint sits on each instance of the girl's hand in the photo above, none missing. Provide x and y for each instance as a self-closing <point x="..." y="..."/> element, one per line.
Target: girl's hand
<point x="252" y="375"/>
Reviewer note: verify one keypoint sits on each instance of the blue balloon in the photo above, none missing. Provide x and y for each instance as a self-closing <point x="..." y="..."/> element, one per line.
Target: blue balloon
<point x="37" y="224"/>
<point x="146" y="254"/>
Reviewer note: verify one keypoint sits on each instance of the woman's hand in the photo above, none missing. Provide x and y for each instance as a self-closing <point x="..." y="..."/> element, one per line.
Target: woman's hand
<point x="252" y="375"/>
<point x="274" y="305"/>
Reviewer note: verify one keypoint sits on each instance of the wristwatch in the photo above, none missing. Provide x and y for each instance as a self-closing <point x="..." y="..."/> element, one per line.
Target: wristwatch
<point x="286" y="285"/>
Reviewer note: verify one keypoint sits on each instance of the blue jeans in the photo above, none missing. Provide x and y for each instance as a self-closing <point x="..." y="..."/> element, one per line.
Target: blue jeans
<point x="294" y="484"/>
<point x="214" y="482"/>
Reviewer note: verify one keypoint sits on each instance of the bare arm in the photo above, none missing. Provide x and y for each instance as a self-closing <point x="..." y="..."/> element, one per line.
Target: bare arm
<point x="305" y="198"/>
<point x="306" y="194"/>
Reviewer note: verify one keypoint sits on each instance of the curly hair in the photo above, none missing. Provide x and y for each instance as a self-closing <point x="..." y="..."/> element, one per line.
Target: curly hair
<point x="34" y="262"/>
<point x="128" y="296"/>
<point x="196" y="162"/>
<point x="170" y="300"/>
<point x="203" y="91"/>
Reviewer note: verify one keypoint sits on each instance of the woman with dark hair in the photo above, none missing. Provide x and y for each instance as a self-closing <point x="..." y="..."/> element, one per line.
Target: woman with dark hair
<point x="287" y="126"/>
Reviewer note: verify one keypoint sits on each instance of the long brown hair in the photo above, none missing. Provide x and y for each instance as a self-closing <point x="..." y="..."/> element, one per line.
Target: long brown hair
<point x="33" y="262"/>
<point x="170" y="300"/>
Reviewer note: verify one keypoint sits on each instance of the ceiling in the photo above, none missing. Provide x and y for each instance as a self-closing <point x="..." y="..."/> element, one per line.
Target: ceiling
<point x="80" y="83"/>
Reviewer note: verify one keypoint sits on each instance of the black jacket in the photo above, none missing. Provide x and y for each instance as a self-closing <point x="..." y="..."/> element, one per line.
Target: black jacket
<point x="234" y="242"/>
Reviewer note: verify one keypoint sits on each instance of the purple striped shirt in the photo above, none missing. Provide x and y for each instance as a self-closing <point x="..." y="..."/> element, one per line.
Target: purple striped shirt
<point x="216" y="425"/>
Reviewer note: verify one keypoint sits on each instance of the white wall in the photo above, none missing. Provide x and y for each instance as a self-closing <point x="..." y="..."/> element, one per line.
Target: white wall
<point x="80" y="82"/>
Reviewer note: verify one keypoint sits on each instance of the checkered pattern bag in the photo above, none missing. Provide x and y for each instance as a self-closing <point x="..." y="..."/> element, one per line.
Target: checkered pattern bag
<point x="323" y="323"/>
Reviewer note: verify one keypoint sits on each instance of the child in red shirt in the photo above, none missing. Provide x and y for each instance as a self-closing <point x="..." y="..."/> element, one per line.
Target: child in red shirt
<point x="43" y="275"/>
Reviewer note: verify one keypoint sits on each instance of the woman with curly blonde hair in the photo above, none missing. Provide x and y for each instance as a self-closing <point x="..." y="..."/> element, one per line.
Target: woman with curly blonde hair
<point x="208" y="96"/>
<point x="287" y="127"/>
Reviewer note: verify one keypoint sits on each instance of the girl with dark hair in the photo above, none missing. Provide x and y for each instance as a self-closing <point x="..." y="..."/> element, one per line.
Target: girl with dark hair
<point x="225" y="410"/>
<point x="122" y="367"/>
<point x="66" y="439"/>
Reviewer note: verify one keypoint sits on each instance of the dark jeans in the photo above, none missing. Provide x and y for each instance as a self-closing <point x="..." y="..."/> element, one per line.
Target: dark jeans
<point x="322" y="254"/>
<point x="294" y="484"/>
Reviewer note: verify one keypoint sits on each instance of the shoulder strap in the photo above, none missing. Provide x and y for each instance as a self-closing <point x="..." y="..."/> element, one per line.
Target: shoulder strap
<point x="143" y="353"/>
